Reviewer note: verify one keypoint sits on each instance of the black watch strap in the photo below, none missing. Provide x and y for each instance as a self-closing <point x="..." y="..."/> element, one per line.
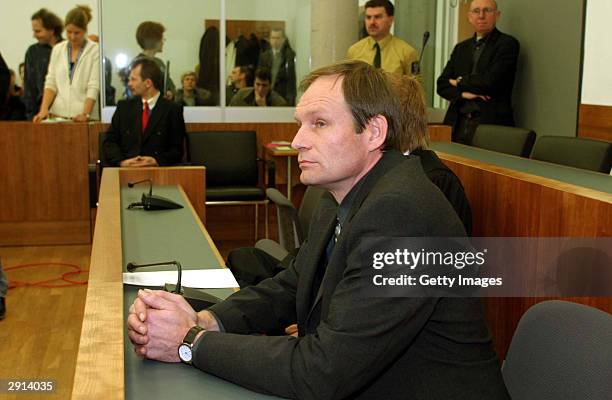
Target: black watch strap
<point x="191" y="334"/>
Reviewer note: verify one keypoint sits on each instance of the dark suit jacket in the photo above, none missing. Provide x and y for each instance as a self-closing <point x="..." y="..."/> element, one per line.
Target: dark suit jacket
<point x="285" y="83"/>
<point x="448" y="183"/>
<point x="494" y="76"/>
<point x="162" y="140"/>
<point x="351" y="345"/>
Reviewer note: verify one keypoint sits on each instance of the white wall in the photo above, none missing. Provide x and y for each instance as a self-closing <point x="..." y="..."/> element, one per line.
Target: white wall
<point x="16" y="28"/>
<point x="596" y="78"/>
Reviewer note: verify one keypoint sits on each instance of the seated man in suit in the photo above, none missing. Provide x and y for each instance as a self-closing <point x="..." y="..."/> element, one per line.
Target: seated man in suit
<point x="349" y="345"/>
<point x="147" y="130"/>
<point x="251" y="265"/>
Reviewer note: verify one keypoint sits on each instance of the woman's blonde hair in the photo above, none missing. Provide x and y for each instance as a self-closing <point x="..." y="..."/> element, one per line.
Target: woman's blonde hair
<point x="80" y="16"/>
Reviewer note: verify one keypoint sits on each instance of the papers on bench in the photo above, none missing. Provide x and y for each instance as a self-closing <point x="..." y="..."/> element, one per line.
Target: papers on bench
<point x="193" y="278"/>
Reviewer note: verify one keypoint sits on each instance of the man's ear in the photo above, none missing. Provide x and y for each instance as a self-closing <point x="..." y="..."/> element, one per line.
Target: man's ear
<point x="376" y="129"/>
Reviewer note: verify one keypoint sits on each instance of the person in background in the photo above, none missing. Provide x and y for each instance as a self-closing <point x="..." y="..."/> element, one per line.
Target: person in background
<point x="414" y="140"/>
<point x="190" y="95"/>
<point x="147" y="130"/>
<point x="72" y="84"/>
<point x="280" y="60"/>
<point x="381" y="49"/>
<point x="150" y="38"/>
<point x="261" y="94"/>
<point x="479" y="77"/>
<point x="47" y="30"/>
<point x="5" y="82"/>
<point x="241" y="77"/>
<point x="15" y="109"/>
<point x="15" y="88"/>
<point x="22" y="76"/>
<point x="207" y="69"/>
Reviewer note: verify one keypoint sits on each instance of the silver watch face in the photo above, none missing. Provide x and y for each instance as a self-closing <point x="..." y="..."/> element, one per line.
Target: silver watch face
<point x="185" y="353"/>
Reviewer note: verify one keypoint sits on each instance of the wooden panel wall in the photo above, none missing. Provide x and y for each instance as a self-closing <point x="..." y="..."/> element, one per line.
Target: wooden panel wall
<point x="509" y="203"/>
<point x="44" y="184"/>
<point x="595" y="122"/>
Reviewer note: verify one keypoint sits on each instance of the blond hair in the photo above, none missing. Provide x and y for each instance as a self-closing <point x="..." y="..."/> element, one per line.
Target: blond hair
<point x="80" y="16"/>
<point x="412" y="126"/>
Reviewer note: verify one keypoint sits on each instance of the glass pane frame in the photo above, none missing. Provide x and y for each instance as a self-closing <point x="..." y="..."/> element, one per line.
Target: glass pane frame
<point x="212" y="114"/>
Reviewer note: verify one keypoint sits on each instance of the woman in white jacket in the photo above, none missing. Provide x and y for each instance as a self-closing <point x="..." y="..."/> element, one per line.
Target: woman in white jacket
<point x="73" y="80"/>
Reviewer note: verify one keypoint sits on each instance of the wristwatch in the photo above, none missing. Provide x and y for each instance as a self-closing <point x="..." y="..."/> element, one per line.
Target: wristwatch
<point x="459" y="79"/>
<point x="185" y="349"/>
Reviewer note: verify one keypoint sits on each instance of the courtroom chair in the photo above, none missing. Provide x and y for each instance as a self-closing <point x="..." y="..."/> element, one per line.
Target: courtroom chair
<point x="594" y="155"/>
<point x="560" y="350"/>
<point x="293" y="224"/>
<point x="504" y="139"/>
<point x="232" y="169"/>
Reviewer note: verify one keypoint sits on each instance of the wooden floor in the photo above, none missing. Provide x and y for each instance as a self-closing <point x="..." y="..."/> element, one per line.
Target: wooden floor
<point x="39" y="336"/>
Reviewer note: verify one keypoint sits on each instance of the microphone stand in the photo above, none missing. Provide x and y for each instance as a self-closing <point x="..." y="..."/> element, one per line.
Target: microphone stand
<point x="198" y="299"/>
<point x="150" y="202"/>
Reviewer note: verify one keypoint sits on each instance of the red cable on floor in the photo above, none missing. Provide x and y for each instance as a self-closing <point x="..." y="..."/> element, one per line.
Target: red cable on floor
<point x="76" y="270"/>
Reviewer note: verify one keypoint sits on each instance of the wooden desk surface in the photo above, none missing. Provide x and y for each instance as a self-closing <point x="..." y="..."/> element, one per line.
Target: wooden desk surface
<point x="275" y="152"/>
<point x="100" y="362"/>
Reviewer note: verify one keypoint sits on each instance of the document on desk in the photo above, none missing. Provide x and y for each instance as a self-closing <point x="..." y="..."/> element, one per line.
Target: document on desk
<point x="218" y="278"/>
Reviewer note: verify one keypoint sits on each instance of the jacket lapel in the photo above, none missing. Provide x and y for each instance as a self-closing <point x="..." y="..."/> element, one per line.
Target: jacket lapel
<point x="318" y="237"/>
<point x="389" y="160"/>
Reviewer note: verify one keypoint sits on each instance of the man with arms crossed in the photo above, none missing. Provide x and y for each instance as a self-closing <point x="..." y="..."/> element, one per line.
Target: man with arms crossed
<point x="478" y="78"/>
<point x="349" y="345"/>
<point x="147" y="130"/>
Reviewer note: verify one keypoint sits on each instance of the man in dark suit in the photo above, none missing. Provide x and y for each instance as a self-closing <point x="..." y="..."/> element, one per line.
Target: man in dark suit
<point x="146" y="130"/>
<point x="479" y="76"/>
<point x="349" y="344"/>
<point x="280" y="60"/>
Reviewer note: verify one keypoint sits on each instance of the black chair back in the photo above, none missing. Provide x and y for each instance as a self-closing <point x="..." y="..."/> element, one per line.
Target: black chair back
<point x="230" y="157"/>
<point x="594" y="155"/>
<point x="504" y="139"/>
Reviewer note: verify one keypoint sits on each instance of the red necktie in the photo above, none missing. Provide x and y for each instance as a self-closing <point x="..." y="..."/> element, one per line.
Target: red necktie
<point x="145" y="116"/>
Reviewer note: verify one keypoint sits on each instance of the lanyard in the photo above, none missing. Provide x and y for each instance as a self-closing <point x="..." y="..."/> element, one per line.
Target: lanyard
<point x="72" y="65"/>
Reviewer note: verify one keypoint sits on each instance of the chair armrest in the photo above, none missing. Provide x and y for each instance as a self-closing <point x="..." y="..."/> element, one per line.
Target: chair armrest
<point x="278" y="198"/>
<point x="272" y="248"/>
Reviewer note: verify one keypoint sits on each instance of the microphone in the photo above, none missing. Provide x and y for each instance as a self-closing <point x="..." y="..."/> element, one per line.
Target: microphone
<point x="196" y="298"/>
<point x="416" y="66"/>
<point x="131" y="266"/>
<point x="132" y="184"/>
<point x="150" y="202"/>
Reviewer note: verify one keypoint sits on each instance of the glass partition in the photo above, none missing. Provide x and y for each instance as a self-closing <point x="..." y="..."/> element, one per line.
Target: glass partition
<point x="175" y="34"/>
<point x="268" y="44"/>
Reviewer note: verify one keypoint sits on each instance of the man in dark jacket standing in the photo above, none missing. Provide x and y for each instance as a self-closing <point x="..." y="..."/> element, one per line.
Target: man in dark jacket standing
<point x="479" y="76"/>
<point x="47" y="30"/>
<point x="280" y="60"/>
